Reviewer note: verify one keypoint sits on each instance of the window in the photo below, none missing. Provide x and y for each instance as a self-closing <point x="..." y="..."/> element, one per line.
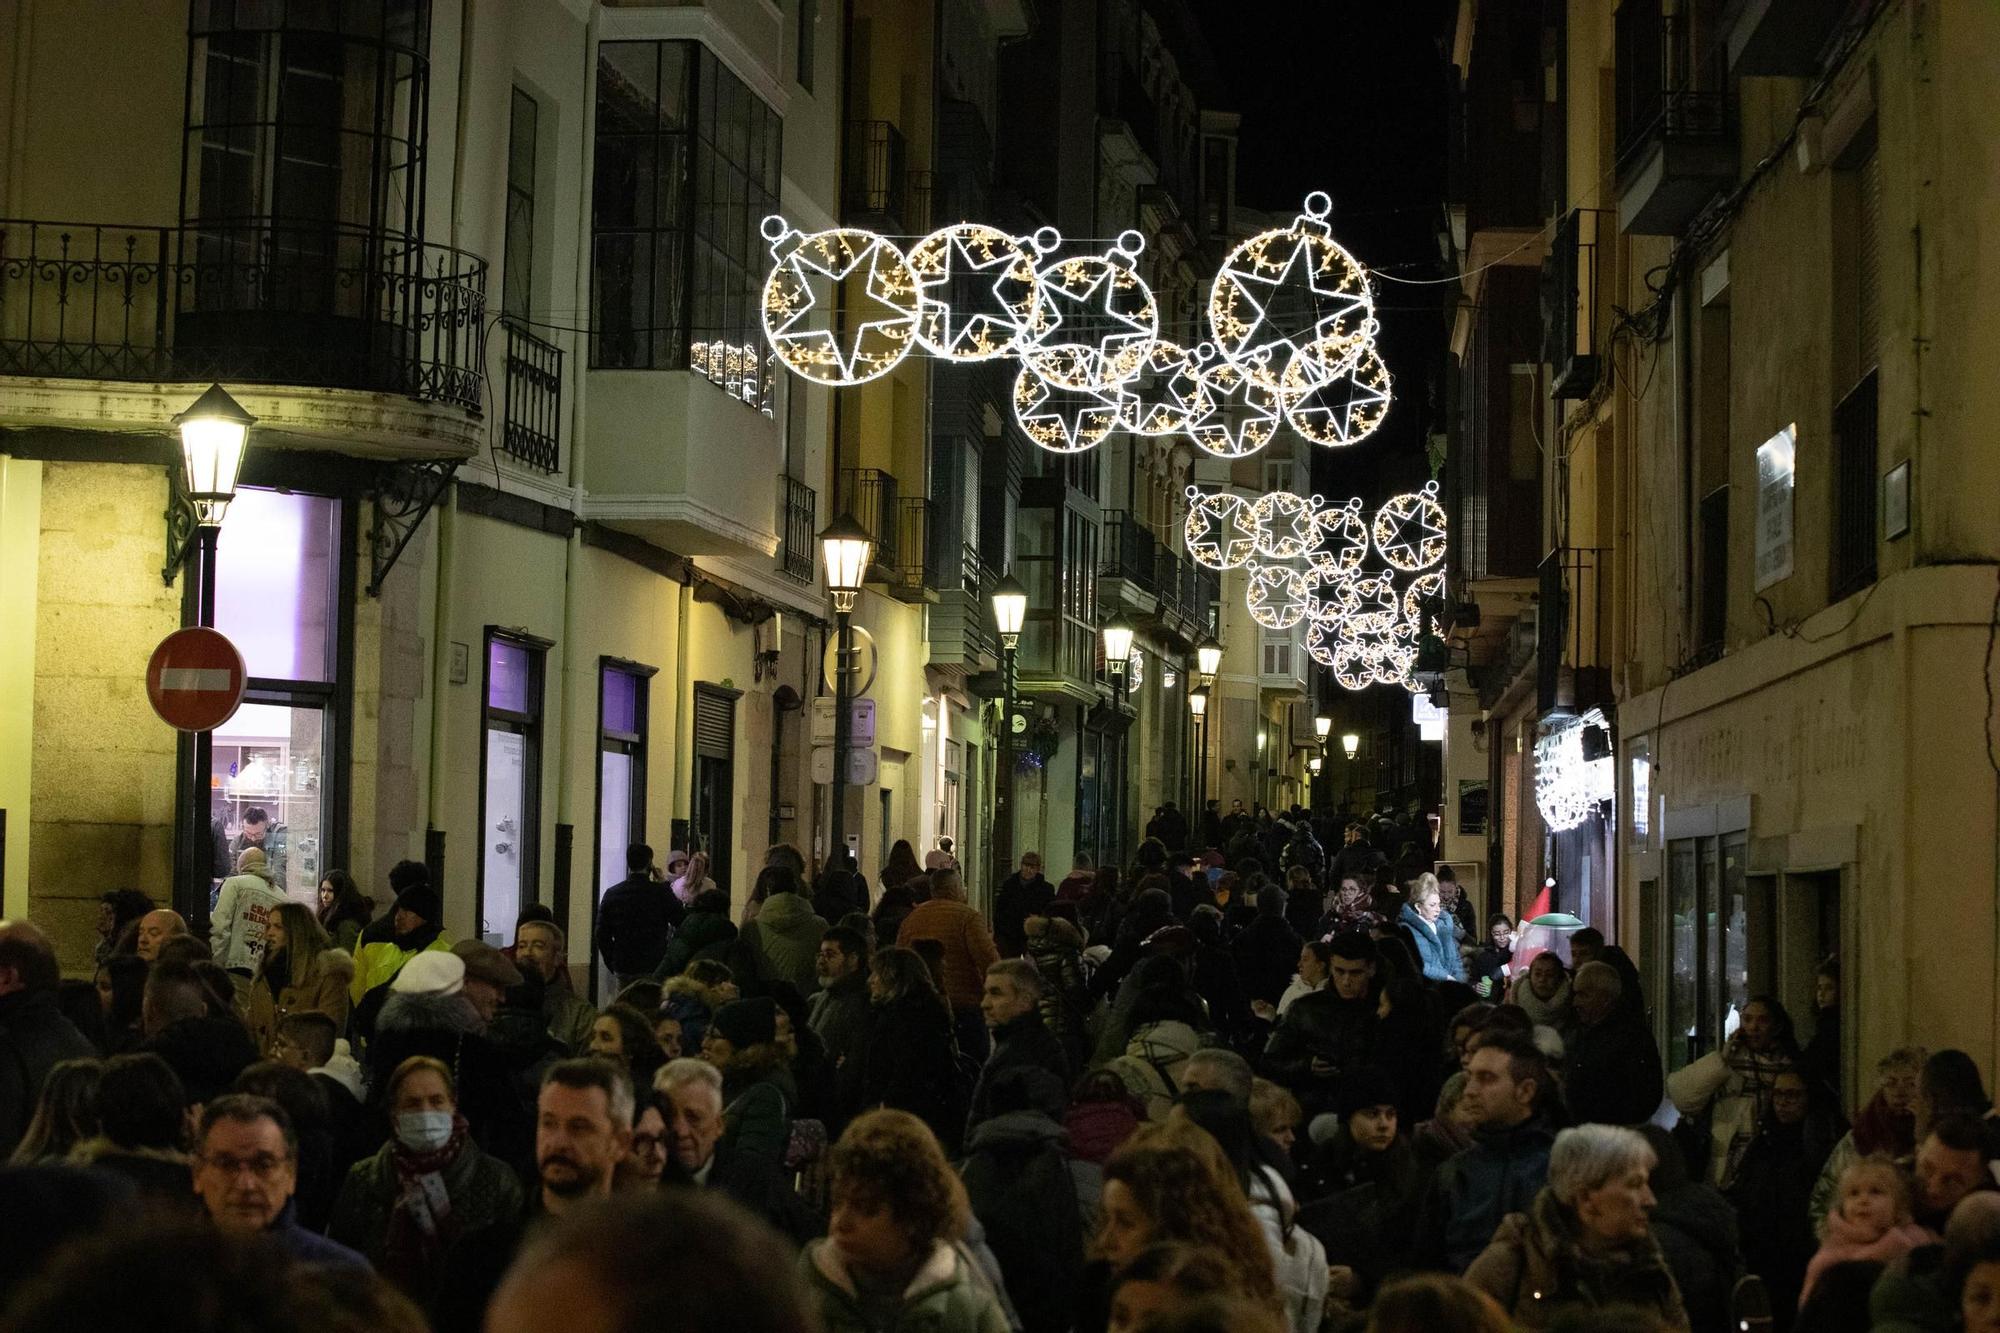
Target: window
<point x="1712" y="605"/>
<point x="711" y="816"/>
<point x="518" y="279"/>
<point x="278" y="598"/>
<point x="1857" y="192"/>
<point x="510" y="781"/>
<point x="1854" y="433"/>
<point x="622" y="696"/>
<point x="1709" y="942"/>
<point x="808" y="20"/>
<point x="687" y="168"/>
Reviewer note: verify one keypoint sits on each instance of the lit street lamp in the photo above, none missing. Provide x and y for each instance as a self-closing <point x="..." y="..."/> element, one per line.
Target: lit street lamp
<point x="846" y="547"/>
<point x="1010" y="611"/>
<point x="1198" y="707"/>
<point x="1350" y="743"/>
<point x="1208" y="660"/>
<point x="1321" y="726"/>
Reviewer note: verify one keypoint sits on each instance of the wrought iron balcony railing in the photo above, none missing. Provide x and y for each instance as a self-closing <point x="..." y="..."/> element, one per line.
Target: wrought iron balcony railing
<point x="1129" y="551"/>
<point x="913" y="568"/>
<point x="870" y="496"/>
<point x="259" y="303"/>
<point x="532" y="431"/>
<point x="1665" y="87"/>
<point x="801" y="519"/>
<point x="875" y="174"/>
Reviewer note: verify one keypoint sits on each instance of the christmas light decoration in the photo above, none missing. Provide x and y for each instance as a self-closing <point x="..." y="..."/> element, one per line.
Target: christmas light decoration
<point x="1340" y="543"/>
<point x="1135" y="668"/>
<point x="1289" y="306"/>
<point x="1278" y="597"/>
<point x="1220" y="530"/>
<point x="1242" y="414"/>
<point x="1345" y="408"/>
<point x="1061" y="418"/>
<point x="1569" y="787"/>
<point x="881" y="277"/>
<point x="1409" y="530"/>
<point x="1097" y="320"/>
<point x="1165" y="397"/>
<point x="1423" y="588"/>
<point x="739" y="369"/>
<point x="1284" y="523"/>
<point x="984" y="268"/>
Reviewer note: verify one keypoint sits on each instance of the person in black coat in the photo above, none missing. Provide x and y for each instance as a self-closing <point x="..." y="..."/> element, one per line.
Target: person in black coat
<point x="1774" y="1184"/>
<point x="34" y="1035"/>
<point x="636" y="917"/>
<point x="206" y="1050"/>
<point x="1612" y="1076"/>
<point x="911" y="1062"/>
<point x="1011" y="1005"/>
<point x="690" y="1103"/>
<point x="1696" y="1229"/>
<point x="1328" y="1032"/>
<point x="1024" y="1189"/>
<point x="1268" y="949"/>
<point x="1025" y="893"/>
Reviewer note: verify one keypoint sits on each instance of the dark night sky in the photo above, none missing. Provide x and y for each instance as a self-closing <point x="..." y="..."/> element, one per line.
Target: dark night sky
<point x="1348" y="96"/>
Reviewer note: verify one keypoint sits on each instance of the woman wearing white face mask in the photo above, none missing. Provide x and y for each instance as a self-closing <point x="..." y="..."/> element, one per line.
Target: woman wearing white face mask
<point x="429" y="1185"/>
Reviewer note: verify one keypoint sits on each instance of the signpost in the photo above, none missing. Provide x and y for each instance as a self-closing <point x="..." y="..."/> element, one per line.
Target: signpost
<point x="195" y="679"/>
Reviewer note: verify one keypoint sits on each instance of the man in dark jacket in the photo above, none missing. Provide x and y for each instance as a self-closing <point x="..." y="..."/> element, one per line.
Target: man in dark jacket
<point x="207" y="1050"/>
<point x="1588" y="946"/>
<point x="34" y="1035"/>
<point x="690" y="1102"/>
<point x="636" y="917"/>
<point x="1023" y="894"/>
<point x="1507" y="1085"/>
<point x="1613" y="1076"/>
<point x="1697" y="1232"/>
<point x="1034" y="1203"/>
<point x="839" y="1008"/>
<point x="1012" y="1007"/>
<point x="1326" y="1033"/>
<point x="1268" y="949"/>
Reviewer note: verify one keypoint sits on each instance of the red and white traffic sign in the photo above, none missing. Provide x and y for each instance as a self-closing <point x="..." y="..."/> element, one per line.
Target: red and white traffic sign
<point x="195" y="680"/>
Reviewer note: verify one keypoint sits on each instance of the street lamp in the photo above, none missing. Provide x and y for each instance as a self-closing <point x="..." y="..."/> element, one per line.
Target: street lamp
<point x="1314" y="764"/>
<point x="1117" y="654"/>
<point x="1198" y="708"/>
<point x="846" y="546"/>
<point x="213" y="431"/>
<point x="1010" y="611"/>
<point x="1321" y="726"/>
<point x="1208" y="660"/>
<point x="1350" y="743"/>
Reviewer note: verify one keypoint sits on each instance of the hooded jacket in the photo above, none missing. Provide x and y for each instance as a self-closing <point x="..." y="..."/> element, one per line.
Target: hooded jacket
<point x="1499" y="1174"/>
<point x="1436" y="943"/>
<point x="1024" y="1043"/>
<point x="702" y="935"/>
<point x="1613" y="1075"/>
<point x="1056" y="949"/>
<point x="783" y="941"/>
<point x="242" y="911"/>
<point x="1031" y="1199"/>
<point x="1537" y="1266"/>
<point x="379" y="961"/>
<point x="448" y="1028"/>
<point x="1151" y="1061"/>
<point x="948" y="1295"/>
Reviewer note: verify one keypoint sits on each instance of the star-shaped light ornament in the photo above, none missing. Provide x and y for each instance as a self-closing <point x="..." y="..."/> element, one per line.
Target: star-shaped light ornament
<point x="978" y="297"/>
<point x="1061" y="418"/>
<point x="1290" y="306"/>
<point x="1098" y="318"/>
<point x="1409" y="530"/>
<point x="1165" y="396"/>
<point x="1345" y="408"/>
<point x="1242" y="414"/>
<point x="1340" y="540"/>
<point x="1220" y="531"/>
<point x="1285" y="527"/>
<point x="1277" y="596"/>
<point x="881" y="295"/>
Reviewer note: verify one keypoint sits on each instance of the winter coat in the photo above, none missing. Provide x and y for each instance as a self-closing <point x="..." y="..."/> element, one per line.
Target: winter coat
<point x="1298" y="1260"/>
<point x="324" y="991"/>
<point x="1435" y="942"/>
<point x="1555" y="1012"/>
<point x="702" y="935"/>
<point x="159" y="1176"/>
<point x="1030" y="1198"/>
<point x="1538" y="1265"/>
<point x="207" y="1052"/>
<point x="1733" y="1085"/>
<point x="1697" y="1232"/>
<point x="483" y="1191"/>
<point x="1056" y="949"/>
<point x="1320" y="1025"/>
<point x="1366" y="1205"/>
<point x="1612" y="1074"/>
<point x="757" y="1114"/>
<point x="490" y="1093"/>
<point x="379" y="961"/>
<point x="35" y="1037"/>
<point x="636" y="919"/>
<point x="1267" y="952"/>
<point x="948" y="1295"/>
<point x="841" y="1016"/>
<point x="1499" y="1174"/>
<point x="912" y="1065"/>
<point x="1773" y="1189"/>
<point x="1016" y="901"/>
<point x="1846" y="1243"/>
<point x="783" y="942"/>
<point x="236" y="928"/>
<point x="968" y="947"/>
<point x="1025" y="1043"/>
<point x="1152" y="1060"/>
<point x="1915" y="1295"/>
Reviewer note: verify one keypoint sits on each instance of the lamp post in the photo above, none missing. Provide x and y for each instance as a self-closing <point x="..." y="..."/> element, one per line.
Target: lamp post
<point x="1350" y="743"/>
<point x="214" y="432"/>
<point x="846" y="546"/>
<point x="1010" y="609"/>
<point x="1208" y="660"/>
<point x="1198" y="706"/>
<point x="1117" y="654"/>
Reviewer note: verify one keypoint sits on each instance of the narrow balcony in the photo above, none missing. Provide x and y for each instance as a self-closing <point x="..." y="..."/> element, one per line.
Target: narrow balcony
<point x="916" y="577"/>
<point x="532" y="431"/>
<point x="1572" y="665"/>
<point x="1127" y="566"/>
<point x="875" y="176"/>
<point x="869" y="495"/>
<point x="1573" y="290"/>
<point x="1675" y="147"/>
<point x="798" y="517"/>
<point x="1782" y="38"/>
<point x="283" y="307"/>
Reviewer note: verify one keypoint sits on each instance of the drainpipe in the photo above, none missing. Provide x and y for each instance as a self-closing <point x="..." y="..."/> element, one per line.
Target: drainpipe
<point x="1684" y="409"/>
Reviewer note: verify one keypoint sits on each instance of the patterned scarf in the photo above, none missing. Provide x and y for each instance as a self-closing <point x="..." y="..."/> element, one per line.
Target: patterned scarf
<point x="420" y="1223"/>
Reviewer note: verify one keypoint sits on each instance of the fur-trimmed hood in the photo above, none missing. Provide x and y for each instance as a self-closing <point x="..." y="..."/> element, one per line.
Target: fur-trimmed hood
<point x="412" y="1011"/>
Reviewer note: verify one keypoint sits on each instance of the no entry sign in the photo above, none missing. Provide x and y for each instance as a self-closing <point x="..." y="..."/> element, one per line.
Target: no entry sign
<point x="195" y="679"/>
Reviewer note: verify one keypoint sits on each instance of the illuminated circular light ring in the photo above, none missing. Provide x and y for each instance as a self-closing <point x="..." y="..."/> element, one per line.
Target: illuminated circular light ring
<point x="1219" y="532"/>
<point x="1361" y="606"/>
<point x="1410" y="530"/>
<point x="1062" y="419"/>
<point x="1165" y="396"/>
<point x="1423" y="588"/>
<point x="1281" y="349"/>
<point x="948" y="260"/>
<point x="1277" y="597"/>
<point x="1284" y="524"/>
<point x="1242" y="414"/>
<point x="1341" y="542"/>
<point x="1569" y="787"/>
<point x="875" y="346"/>
<point x="1346" y="408"/>
<point x="1097" y="319"/>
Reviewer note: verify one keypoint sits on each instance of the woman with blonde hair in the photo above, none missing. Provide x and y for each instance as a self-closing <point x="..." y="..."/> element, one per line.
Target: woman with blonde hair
<point x="891" y="1258"/>
<point x="300" y="970"/>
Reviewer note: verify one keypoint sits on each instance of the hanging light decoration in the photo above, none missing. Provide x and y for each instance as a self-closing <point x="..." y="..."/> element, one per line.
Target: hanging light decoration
<point x="1568" y="787"/>
<point x="1289" y="306"/>
<point x="1165" y="397"/>
<point x="1098" y="318"/>
<point x="1278" y="597"/>
<point x="1345" y="408"/>
<point x="1340" y="540"/>
<point x="977" y="293"/>
<point x="810" y="348"/>
<point x="1241" y="414"/>
<point x="1220" y="530"/>
<point x="1284" y="523"/>
<point x="1062" y="418"/>
<point x="1409" y="530"/>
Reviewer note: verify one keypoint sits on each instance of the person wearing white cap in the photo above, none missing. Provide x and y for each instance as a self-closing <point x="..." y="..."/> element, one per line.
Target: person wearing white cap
<point x="431" y="1011"/>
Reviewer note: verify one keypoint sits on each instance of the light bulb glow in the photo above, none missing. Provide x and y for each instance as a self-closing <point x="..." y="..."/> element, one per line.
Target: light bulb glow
<point x="1098" y="319"/>
<point x="1345" y="408"/>
<point x="1409" y="530"/>
<point x="1277" y="598"/>
<point x="1242" y="414"/>
<point x="1287" y="301"/>
<point x="967" y="259"/>
<point x="1062" y="418"/>
<point x="1220" y="530"/>
<point x="1284" y="523"/>
<point x="1165" y="397"/>
<point x="881" y="275"/>
<point x="1569" y="787"/>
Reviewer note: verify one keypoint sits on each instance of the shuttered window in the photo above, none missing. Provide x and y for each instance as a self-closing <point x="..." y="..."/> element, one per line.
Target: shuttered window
<point x="712" y="809"/>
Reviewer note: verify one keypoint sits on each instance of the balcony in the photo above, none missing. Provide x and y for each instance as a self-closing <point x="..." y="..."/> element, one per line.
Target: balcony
<point x="1779" y="37"/>
<point x="962" y="638"/>
<point x="1572" y="665"/>
<point x="913" y="576"/>
<point x="1281" y="668"/>
<point x="869" y="495"/>
<point x="532" y="433"/>
<point x="875" y="178"/>
<point x="290" y="307"/>
<point x="1572" y="288"/>
<point x="799" y="520"/>
<point x="1675" y="151"/>
<point x="1127" y="568"/>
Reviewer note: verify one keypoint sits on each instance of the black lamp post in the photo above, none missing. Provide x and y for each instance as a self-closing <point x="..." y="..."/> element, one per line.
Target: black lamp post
<point x="846" y="546"/>
<point x="1010" y="610"/>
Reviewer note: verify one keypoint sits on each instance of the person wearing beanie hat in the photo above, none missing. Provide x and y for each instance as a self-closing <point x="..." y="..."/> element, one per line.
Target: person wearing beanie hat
<point x="243" y="909"/>
<point x="757" y="1089"/>
<point x="415" y="925"/>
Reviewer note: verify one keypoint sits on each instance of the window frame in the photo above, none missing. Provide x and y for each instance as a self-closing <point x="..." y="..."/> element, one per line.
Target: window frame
<point x="529" y="726"/>
<point x="517" y="255"/>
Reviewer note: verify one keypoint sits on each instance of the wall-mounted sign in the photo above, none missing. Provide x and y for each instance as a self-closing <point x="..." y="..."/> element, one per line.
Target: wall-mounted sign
<point x="1777" y="460"/>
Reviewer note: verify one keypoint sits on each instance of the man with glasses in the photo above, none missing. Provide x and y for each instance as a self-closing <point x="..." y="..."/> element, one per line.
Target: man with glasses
<point x="245" y="1171"/>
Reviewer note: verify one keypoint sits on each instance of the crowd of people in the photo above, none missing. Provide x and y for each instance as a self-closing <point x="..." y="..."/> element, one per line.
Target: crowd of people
<point x="1245" y="1083"/>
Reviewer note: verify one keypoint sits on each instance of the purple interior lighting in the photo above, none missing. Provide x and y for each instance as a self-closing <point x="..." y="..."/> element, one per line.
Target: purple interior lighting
<point x="274" y="581"/>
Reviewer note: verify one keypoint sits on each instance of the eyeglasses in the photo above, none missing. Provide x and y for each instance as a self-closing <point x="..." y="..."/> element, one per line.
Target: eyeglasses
<point x="263" y="1166"/>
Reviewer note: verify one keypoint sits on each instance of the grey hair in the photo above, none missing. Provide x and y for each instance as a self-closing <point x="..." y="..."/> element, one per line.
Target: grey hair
<point x="1591" y="1156"/>
<point x="1235" y="1072"/>
<point x="686" y="1071"/>
<point x="1022" y="973"/>
<point x="1596" y="974"/>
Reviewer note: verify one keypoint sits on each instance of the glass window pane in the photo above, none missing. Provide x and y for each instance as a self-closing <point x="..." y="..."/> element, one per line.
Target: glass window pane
<point x="1682" y="1032"/>
<point x="267" y="762"/>
<point x="507" y="667"/>
<point x="627" y="87"/>
<point x="621" y="702"/>
<point x="274" y="582"/>
<point x="614" y="825"/>
<point x="506" y="820"/>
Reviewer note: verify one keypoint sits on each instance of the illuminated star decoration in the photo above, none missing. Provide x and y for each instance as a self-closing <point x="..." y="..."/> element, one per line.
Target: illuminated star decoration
<point x="1242" y="413"/>
<point x="1569" y="787"/>
<point x="1165" y="397"/>
<point x="1409" y="530"/>
<point x="881" y="278"/>
<point x="1290" y="306"/>
<point x="1285" y="524"/>
<point x="1060" y="418"/>
<point x="977" y="293"/>
<point x="1220" y="531"/>
<point x="1277" y="596"/>
<point x="1098" y="318"/>
<point x="1346" y="408"/>
<point x="1341" y="541"/>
